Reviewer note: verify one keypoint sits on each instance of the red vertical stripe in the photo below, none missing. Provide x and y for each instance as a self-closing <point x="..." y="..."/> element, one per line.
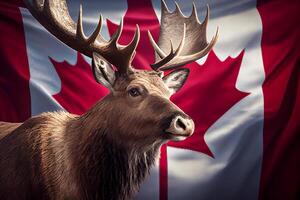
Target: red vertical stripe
<point x="280" y="177"/>
<point x="163" y="173"/>
<point x="14" y="69"/>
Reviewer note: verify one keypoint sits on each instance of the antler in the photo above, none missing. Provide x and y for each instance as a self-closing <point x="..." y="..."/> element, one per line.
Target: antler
<point x="187" y="33"/>
<point x="55" y="17"/>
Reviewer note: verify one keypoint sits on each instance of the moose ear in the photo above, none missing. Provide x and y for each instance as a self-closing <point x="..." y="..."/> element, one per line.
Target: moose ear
<point x="176" y="79"/>
<point x="103" y="71"/>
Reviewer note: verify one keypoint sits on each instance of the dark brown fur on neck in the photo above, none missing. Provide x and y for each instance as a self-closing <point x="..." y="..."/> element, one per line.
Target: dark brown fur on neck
<point x="81" y="163"/>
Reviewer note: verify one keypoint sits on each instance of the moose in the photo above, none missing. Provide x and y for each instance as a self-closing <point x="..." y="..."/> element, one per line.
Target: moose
<point x="107" y="152"/>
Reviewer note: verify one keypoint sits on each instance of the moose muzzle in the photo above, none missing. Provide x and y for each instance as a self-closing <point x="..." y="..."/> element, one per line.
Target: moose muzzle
<point x="181" y="127"/>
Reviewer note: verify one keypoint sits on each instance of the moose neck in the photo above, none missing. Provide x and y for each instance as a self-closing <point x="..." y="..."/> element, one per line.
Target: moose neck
<point x="108" y="169"/>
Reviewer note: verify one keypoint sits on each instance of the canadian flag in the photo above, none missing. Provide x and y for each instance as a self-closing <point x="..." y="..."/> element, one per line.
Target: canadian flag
<point x="244" y="96"/>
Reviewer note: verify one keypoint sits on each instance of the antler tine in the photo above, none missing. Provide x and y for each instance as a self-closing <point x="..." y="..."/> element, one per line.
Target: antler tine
<point x="96" y="33"/>
<point x="115" y="37"/>
<point x="164" y="6"/>
<point x="131" y="47"/>
<point x="194" y="13"/>
<point x="193" y="34"/>
<point x="158" y="50"/>
<point x="178" y="10"/>
<point x="79" y="32"/>
<point x="205" y="21"/>
<point x="54" y="16"/>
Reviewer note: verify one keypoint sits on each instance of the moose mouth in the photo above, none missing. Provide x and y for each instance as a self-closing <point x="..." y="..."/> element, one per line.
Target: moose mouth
<point x="176" y="136"/>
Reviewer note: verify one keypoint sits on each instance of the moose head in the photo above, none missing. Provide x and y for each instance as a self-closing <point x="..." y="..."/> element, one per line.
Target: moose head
<point x="138" y="108"/>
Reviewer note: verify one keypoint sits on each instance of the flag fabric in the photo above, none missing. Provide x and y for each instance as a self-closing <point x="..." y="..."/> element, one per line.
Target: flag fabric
<point x="244" y="96"/>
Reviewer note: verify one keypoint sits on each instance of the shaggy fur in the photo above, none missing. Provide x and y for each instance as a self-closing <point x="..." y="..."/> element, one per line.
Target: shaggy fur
<point x="52" y="160"/>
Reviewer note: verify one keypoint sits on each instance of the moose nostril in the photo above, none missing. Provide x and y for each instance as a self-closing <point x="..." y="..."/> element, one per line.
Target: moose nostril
<point x="180" y="123"/>
<point x="180" y="127"/>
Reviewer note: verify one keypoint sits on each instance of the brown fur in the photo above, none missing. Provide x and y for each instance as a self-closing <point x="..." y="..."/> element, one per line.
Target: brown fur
<point x="103" y="154"/>
<point x="7" y="128"/>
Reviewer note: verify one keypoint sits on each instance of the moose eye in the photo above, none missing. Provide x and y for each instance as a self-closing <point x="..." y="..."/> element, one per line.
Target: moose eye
<point x="134" y="92"/>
